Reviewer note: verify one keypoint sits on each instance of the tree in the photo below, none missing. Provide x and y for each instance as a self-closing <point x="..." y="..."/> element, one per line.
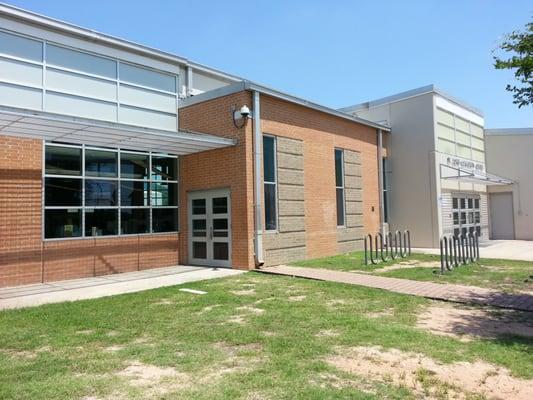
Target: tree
<point x="520" y="47"/>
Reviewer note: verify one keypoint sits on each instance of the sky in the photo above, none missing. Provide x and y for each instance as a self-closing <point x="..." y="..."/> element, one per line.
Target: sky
<point x="336" y="53"/>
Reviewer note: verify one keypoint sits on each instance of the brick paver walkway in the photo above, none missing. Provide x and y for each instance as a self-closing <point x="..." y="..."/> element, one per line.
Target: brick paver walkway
<point x="439" y="291"/>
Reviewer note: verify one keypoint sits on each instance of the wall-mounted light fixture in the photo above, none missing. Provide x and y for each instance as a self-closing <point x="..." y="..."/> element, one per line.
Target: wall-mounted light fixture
<point x="242" y="115"/>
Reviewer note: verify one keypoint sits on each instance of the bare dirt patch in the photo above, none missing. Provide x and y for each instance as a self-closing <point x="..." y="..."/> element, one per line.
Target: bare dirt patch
<point x="429" y="378"/>
<point x="467" y="323"/>
<point x="114" y="348"/>
<point x="237" y="358"/>
<point x="237" y="319"/>
<point x="24" y="354"/>
<point x="389" y="312"/>
<point x="407" y="265"/>
<point x="297" y="298"/>
<point x="85" y="332"/>
<point x="244" y="292"/>
<point x="252" y="310"/>
<point x="328" y="333"/>
<point x="163" y="302"/>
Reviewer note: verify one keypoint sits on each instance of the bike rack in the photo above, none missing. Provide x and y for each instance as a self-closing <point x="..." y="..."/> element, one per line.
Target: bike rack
<point x="458" y="250"/>
<point x="387" y="247"/>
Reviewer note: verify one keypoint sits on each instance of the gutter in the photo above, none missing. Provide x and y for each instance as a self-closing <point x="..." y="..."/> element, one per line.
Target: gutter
<point x="380" y="181"/>
<point x="258" y="187"/>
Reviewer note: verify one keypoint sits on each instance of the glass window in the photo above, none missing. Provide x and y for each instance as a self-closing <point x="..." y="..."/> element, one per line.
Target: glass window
<point x="62" y="223"/>
<point x="101" y="163"/>
<point x="198" y="207"/>
<point x="143" y="203"/>
<point x="270" y="182"/>
<point x="82" y="62"/>
<point x="147" y="77"/>
<point x="134" y="220"/>
<point x="220" y="205"/>
<point x="339" y="183"/>
<point x="100" y="192"/>
<point x="62" y="192"/>
<point x="101" y="222"/>
<point x="164" y="168"/>
<point x="164" y="219"/>
<point x="270" y="207"/>
<point x="199" y="250"/>
<point x="164" y="194"/>
<point x="340" y="207"/>
<point x="269" y="159"/>
<point x="134" y="166"/>
<point x="199" y="228"/>
<point x="220" y="251"/>
<point x="62" y="160"/>
<point x="139" y="206"/>
<point x="133" y="193"/>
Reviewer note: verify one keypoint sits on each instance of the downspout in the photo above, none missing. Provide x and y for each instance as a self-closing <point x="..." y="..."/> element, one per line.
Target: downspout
<point x="380" y="182"/>
<point x="258" y="180"/>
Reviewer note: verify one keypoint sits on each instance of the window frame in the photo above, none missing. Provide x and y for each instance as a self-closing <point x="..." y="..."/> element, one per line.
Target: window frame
<point x="118" y="179"/>
<point x="343" y="225"/>
<point x="469" y="224"/>
<point x="272" y="183"/>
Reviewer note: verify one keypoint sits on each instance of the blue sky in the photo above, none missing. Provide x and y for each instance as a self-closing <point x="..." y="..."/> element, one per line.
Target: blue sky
<point x="336" y="53"/>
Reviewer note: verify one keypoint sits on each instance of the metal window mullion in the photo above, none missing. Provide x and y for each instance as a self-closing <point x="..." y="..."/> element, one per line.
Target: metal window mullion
<point x="43" y="83"/>
<point x="83" y="191"/>
<point x="119" y="176"/>
<point x="150" y="192"/>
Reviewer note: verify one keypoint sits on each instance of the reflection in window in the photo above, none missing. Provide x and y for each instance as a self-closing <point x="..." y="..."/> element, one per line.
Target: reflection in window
<point x="339" y="183"/>
<point x="101" y="222"/>
<point x="62" y="223"/>
<point x="101" y="163"/>
<point x="134" y="220"/>
<point x="270" y="182"/>
<point x="134" y="166"/>
<point x="63" y="161"/>
<point x="97" y="209"/>
<point x="100" y="192"/>
<point x="62" y="192"/>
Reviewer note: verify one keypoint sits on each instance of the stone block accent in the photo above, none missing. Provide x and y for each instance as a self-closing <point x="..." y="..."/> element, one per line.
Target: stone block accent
<point x="354" y="207"/>
<point x="350" y="238"/>
<point x="290" y="176"/>
<point x="288" y="243"/>
<point x="291" y="224"/>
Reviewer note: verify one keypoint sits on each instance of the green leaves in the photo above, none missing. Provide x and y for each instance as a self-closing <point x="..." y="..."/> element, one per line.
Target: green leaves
<point x="520" y="46"/>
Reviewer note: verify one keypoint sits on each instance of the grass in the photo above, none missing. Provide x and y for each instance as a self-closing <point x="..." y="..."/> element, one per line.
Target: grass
<point x="504" y="275"/>
<point x="77" y="350"/>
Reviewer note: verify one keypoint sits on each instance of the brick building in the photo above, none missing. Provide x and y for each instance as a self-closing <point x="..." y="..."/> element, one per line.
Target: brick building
<point x="115" y="157"/>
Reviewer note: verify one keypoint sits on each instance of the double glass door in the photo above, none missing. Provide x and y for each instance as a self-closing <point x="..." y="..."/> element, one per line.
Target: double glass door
<point x="209" y="228"/>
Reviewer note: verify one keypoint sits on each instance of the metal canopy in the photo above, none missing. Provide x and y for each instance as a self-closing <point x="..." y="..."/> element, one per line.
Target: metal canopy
<point x="470" y="176"/>
<point x="60" y="128"/>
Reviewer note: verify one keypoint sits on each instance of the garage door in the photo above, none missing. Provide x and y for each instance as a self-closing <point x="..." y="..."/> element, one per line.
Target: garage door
<point x="501" y="215"/>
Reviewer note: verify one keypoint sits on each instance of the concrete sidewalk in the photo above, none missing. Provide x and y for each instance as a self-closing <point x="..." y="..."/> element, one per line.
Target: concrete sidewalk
<point x="438" y="291"/>
<point x="503" y="249"/>
<point x="107" y="285"/>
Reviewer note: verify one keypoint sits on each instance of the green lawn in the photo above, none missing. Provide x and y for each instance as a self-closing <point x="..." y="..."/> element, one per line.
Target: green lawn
<point x="252" y="336"/>
<point x="505" y="275"/>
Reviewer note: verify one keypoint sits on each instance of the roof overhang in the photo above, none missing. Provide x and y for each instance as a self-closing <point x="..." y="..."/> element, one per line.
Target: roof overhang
<point x="254" y="87"/>
<point x="448" y="172"/>
<point x="60" y="128"/>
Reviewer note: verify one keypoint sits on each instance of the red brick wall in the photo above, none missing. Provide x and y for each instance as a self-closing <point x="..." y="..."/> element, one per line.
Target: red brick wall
<point x="25" y="258"/>
<point x="233" y="167"/>
<point x="20" y="211"/>
<point x="321" y="133"/>
<point x="229" y="167"/>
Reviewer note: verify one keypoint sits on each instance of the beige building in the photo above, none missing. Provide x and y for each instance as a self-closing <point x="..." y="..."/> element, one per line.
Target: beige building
<point x="435" y="175"/>
<point x="511" y="206"/>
